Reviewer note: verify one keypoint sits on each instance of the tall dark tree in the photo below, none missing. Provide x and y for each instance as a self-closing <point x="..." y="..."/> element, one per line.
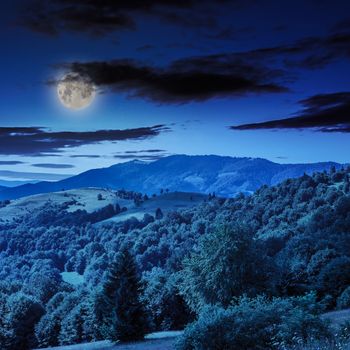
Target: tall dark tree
<point x="159" y="214"/>
<point x="122" y="291"/>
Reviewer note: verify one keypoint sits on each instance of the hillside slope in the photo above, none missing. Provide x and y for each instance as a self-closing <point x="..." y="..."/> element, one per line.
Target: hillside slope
<point x="296" y="233"/>
<point x="226" y="176"/>
<point x="87" y="199"/>
<point x="153" y="341"/>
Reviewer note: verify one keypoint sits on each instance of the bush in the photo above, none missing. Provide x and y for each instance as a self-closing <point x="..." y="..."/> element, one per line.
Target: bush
<point x="17" y="324"/>
<point x="335" y="276"/>
<point x="256" y="324"/>
<point x="163" y="301"/>
<point x="228" y="263"/>
<point x="343" y="300"/>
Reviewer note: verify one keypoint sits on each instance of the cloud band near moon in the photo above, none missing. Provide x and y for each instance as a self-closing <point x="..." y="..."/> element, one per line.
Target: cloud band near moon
<point x="323" y="112"/>
<point x="37" y="141"/>
<point x="183" y="81"/>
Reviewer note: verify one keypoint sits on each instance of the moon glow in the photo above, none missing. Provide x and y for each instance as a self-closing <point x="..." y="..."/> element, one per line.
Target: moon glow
<point x="75" y="91"/>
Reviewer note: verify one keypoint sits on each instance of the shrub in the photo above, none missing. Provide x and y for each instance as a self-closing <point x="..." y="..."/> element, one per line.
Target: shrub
<point x="163" y="302"/>
<point x="343" y="300"/>
<point x="229" y="259"/>
<point x="17" y="325"/>
<point x="335" y="276"/>
<point x="256" y="324"/>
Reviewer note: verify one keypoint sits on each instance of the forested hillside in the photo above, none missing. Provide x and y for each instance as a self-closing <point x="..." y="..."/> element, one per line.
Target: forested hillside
<point x="207" y="263"/>
<point x="226" y="176"/>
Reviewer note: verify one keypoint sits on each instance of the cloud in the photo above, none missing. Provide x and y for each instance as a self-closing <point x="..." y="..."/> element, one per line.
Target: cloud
<point x="102" y="17"/>
<point x="10" y="162"/>
<point x="40" y="141"/>
<point x="146" y="47"/>
<point x="343" y="25"/>
<point x="138" y="157"/>
<point x="148" y="151"/>
<point x="199" y="78"/>
<point x="147" y="154"/>
<point x="230" y="33"/>
<point x="323" y="112"/>
<point x="143" y="151"/>
<point x="186" y="80"/>
<point x="32" y="176"/>
<point x="85" y="156"/>
<point x="308" y="53"/>
<point x="53" y="166"/>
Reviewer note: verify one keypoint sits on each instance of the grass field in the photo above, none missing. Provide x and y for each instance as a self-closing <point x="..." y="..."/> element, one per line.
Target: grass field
<point x="86" y="199"/>
<point x="154" y="341"/>
<point x="166" y="202"/>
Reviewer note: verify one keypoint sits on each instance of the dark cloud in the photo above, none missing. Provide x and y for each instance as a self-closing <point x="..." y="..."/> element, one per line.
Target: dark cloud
<point x="193" y="19"/>
<point x="32" y="176"/>
<point x="143" y="151"/>
<point x="230" y="33"/>
<point x="53" y="166"/>
<point x="85" y="156"/>
<point x="145" y="47"/>
<point x="185" y="80"/>
<point x="138" y="156"/>
<point x="100" y="17"/>
<point x="40" y="141"/>
<point x="147" y="154"/>
<point x="308" y="53"/>
<point x="223" y="34"/>
<point x="343" y="25"/>
<point x="10" y="162"/>
<point x="263" y="70"/>
<point x="324" y="112"/>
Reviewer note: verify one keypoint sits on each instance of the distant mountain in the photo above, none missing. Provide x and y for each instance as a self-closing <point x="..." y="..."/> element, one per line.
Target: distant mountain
<point x="226" y="176"/>
<point x="7" y="183"/>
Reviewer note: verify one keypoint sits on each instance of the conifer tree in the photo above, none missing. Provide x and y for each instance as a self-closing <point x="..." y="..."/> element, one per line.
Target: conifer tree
<point x="159" y="214"/>
<point x="122" y="293"/>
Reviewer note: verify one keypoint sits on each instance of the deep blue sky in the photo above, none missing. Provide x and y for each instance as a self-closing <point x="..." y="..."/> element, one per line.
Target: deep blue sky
<point x="194" y="67"/>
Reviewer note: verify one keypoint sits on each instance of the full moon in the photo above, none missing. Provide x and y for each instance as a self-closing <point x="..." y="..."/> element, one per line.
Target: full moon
<point x="75" y="91"/>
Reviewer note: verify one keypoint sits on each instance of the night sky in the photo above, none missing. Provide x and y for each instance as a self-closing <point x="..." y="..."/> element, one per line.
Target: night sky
<point x="245" y="78"/>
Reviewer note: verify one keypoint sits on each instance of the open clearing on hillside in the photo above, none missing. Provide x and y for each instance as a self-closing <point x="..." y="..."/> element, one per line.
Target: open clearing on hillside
<point x="166" y="202"/>
<point x="83" y="199"/>
<point x="154" y="341"/>
<point x="87" y="199"/>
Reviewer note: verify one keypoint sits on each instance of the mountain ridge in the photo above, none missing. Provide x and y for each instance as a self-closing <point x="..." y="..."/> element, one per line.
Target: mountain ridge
<point x="226" y="176"/>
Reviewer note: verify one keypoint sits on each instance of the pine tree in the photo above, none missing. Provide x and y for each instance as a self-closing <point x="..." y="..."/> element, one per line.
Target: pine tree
<point x="122" y="292"/>
<point x="159" y="214"/>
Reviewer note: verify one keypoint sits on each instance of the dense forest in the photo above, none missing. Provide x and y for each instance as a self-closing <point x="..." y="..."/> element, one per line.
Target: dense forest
<point x="271" y="262"/>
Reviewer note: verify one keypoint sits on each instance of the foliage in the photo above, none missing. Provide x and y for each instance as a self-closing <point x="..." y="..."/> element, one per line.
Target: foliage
<point x="164" y="303"/>
<point x="257" y="323"/>
<point x="229" y="259"/>
<point x="285" y="240"/>
<point x="19" y="316"/>
<point x="126" y="313"/>
<point x="343" y="301"/>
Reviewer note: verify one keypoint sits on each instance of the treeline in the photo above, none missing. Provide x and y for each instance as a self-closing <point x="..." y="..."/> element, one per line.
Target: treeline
<point x="283" y="251"/>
